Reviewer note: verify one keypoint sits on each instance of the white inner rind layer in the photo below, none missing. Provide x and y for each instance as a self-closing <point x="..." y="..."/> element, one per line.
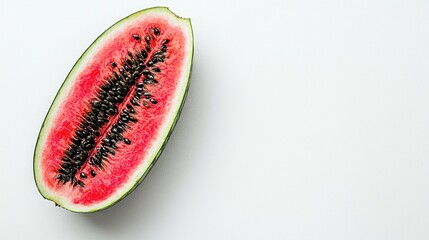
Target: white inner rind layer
<point x="167" y="125"/>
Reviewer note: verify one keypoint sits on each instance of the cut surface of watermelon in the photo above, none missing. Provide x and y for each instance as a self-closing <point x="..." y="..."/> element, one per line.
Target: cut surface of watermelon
<point x="115" y="111"/>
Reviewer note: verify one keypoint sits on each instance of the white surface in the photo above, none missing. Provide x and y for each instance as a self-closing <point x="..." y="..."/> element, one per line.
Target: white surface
<point x="305" y="120"/>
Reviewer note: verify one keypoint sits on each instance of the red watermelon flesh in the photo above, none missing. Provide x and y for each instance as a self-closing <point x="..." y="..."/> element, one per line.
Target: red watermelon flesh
<point x="156" y="87"/>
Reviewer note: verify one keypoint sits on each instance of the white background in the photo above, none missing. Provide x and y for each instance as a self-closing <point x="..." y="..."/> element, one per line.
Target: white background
<point x="305" y="120"/>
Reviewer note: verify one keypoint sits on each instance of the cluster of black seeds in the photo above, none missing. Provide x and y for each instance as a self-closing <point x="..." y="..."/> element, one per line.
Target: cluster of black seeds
<point x="115" y="100"/>
<point x="113" y="136"/>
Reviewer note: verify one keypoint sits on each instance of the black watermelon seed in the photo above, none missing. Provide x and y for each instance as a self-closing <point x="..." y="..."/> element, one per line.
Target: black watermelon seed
<point x="165" y="41"/>
<point x="131" y="55"/>
<point x="158" y="54"/>
<point x="119" y="98"/>
<point x="116" y="76"/>
<point x="106" y="86"/>
<point x="73" y="147"/>
<point x="156" y="31"/>
<point x="88" y="146"/>
<point x="139" y="68"/>
<point x="104" y="154"/>
<point x="78" y="162"/>
<point x="70" y="153"/>
<point x="139" y="93"/>
<point x="148" y="48"/>
<point x="120" y="129"/>
<point x="106" y="140"/>
<point x="64" y="171"/>
<point x="93" y="173"/>
<point x="102" y="94"/>
<point x="77" y="157"/>
<point x="132" y="119"/>
<point x="67" y="178"/>
<point x="150" y="63"/>
<point x="150" y="76"/>
<point x="83" y="175"/>
<point x="95" y="103"/>
<point x="144" y="53"/>
<point x="136" y="37"/>
<point x="80" y="134"/>
<point x="112" y="152"/>
<point x="122" y="84"/>
<point x="132" y="82"/>
<point x="100" y="121"/>
<point x="66" y="164"/>
<point x="147" y="38"/>
<point x="80" y="183"/>
<point x="131" y="109"/>
<point x="74" y="182"/>
<point x="153" y="101"/>
<point x="76" y="141"/>
<point x="146" y="71"/>
<point x="127" y="141"/>
<point x="96" y="161"/>
<point x="136" y="75"/>
<point x="139" y="56"/>
<point x="134" y="102"/>
<point x="103" y="149"/>
<point x="155" y="69"/>
<point x="95" y="110"/>
<point x="104" y="106"/>
<point x="129" y="62"/>
<point x="113" y="64"/>
<point x="84" y="154"/>
<point x="94" y="126"/>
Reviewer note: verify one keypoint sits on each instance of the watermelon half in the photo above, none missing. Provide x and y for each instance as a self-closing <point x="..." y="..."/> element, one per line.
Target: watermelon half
<point x="115" y="111"/>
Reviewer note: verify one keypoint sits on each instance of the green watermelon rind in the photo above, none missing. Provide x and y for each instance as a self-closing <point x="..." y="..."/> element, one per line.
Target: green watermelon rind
<point x="66" y="83"/>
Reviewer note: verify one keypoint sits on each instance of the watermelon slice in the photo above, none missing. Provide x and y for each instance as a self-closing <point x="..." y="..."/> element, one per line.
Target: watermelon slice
<point x="115" y="111"/>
